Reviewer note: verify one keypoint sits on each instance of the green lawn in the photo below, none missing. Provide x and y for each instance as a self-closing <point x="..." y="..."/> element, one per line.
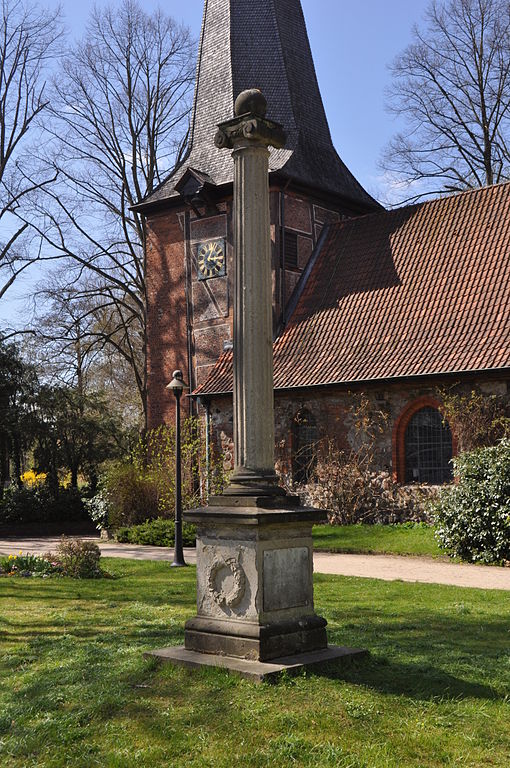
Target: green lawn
<point x="75" y="691"/>
<point x="377" y="539"/>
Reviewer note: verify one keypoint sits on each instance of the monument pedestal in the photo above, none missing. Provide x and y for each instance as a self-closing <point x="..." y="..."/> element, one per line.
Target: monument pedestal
<point x="255" y="580"/>
<point x="255" y="610"/>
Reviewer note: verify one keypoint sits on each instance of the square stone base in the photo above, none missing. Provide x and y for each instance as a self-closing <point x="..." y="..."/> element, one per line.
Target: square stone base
<point x="255" y="580"/>
<point x="254" y="642"/>
<point x="259" y="671"/>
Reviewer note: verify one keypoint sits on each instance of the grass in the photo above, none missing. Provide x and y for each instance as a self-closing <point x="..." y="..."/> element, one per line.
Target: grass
<point x="377" y="539"/>
<point x="76" y="692"/>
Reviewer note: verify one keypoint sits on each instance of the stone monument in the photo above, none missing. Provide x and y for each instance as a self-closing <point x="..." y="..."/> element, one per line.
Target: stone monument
<point x="255" y="609"/>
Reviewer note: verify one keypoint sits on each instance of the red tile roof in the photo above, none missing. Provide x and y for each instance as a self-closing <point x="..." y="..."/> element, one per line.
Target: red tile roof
<point x="421" y="290"/>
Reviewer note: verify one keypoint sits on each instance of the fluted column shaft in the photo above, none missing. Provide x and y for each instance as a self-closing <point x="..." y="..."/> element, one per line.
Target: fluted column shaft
<point x="253" y="347"/>
<point x="249" y="134"/>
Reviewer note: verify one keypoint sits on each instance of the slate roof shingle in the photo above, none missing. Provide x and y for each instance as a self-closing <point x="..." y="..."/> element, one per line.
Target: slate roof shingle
<point x="421" y="290"/>
<point x="262" y="44"/>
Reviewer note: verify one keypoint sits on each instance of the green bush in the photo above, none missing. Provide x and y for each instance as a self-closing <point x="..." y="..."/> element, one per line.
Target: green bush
<point x="132" y="497"/>
<point x="21" y="505"/>
<point x="38" y="505"/>
<point x="157" y="533"/>
<point x="78" y="559"/>
<point x="143" y="487"/>
<point x="473" y="517"/>
<point x="68" y="505"/>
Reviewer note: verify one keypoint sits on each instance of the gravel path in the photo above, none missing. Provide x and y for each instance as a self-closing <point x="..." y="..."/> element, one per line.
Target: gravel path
<point x="421" y="569"/>
<point x="385" y="567"/>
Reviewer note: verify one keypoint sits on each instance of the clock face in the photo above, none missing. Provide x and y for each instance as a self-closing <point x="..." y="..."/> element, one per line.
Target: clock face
<point x="211" y="259"/>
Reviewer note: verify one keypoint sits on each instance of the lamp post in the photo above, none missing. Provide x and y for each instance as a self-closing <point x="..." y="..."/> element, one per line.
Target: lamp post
<point x="177" y="385"/>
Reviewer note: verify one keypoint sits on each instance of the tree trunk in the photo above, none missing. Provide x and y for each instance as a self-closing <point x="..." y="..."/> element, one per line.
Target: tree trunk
<point x="16" y="457"/>
<point x="93" y="480"/>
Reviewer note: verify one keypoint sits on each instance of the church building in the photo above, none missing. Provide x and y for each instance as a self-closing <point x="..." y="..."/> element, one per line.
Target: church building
<point x="393" y="304"/>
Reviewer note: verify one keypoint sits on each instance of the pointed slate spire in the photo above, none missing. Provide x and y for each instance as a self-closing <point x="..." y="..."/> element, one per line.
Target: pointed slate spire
<point x="262" y="44"/>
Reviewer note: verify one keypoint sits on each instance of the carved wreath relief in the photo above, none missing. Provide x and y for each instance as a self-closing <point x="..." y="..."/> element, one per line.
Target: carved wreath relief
<point x="233" y="594"/>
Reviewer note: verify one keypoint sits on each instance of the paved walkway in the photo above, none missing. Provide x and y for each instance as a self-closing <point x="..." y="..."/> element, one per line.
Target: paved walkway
<point x="385" y="567"/>
<point x="421" y="569"/>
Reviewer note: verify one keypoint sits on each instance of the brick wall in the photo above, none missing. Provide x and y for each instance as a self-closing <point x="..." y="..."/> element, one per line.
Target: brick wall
<point x="333" y="413"/>
<point x="166" y="311"/>
<point x="175" y="293"/>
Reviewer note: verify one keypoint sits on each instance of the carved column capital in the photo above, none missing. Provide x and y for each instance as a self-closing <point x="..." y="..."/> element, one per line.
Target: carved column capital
<point x="250" y="128"/>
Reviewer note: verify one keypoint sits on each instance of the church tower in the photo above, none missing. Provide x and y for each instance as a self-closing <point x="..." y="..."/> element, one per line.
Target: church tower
<point x="244" y="44"/>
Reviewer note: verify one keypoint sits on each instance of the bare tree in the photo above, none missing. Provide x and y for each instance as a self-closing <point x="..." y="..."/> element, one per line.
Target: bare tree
<point x="29" y="41"/>
<point x="69" y="346"/>
<point x="452" y="88"/>
<point x="120" y="116"/>
<point x="57" y="345"/>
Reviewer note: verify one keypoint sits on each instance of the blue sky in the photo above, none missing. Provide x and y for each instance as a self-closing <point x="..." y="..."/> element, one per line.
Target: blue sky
<point x="352" y="46"/>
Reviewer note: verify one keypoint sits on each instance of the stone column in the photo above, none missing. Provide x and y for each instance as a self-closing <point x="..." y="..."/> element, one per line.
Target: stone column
<point x="250" y="135"/>
<point x="254" y="543"/>
<point x="255" y="610"/>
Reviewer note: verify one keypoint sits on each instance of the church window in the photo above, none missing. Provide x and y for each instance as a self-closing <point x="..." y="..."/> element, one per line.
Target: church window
<point x="428" y="448"/>
<point x="304" y="446"/>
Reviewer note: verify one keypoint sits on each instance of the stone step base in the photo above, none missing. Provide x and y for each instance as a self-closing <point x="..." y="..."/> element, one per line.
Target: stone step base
<point x="258" y="671"/>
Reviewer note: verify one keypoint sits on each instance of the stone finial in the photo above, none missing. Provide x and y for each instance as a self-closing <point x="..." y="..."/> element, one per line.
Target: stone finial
<point x="250" y="124"/>
<point x="252" y="102"/>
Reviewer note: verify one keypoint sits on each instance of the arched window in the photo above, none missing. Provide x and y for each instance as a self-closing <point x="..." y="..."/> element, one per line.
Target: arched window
<point x="304" y="439"/>
<point x="428" y="448"/>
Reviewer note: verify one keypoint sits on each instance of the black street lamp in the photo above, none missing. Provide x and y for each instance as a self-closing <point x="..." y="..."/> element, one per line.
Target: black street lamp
<point x="177" y="385"/>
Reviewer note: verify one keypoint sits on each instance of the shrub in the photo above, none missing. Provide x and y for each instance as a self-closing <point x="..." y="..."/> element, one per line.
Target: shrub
<point x="68" y="505"/>
<point x="157" y="533"/>
<point x="98" y="508"/>
<point x="473" y="517"/>
<point x="143" y="488"/>
<point x="78" y="559"/>
<point x="132" y="497"/>
<point x="74" y="557"/>
<point x="32" y="479"/>
<point x="347" y="486"/>
<point x="37" y="505"/>
<point x="21" y="505"/>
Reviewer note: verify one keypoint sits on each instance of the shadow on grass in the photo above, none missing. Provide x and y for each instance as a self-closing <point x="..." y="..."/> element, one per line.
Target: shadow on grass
<point x="95" y="671"/>
<point x="420" y="682"/>
<point x="425" y="650"/>
<point x="424" y="634"/>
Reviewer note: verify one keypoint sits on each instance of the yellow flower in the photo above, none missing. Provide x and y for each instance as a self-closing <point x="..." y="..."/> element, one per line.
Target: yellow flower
<point x="65" y="481"/>
<point x="32" y="479"/>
